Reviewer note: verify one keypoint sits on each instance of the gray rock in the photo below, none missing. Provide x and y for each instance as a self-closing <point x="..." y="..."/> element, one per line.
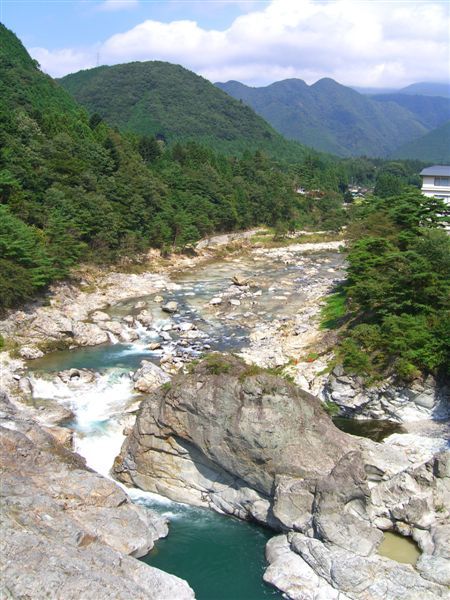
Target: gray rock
<point x="170" y="307"/>
<point x="77" y="377"/>
<point x="289" y="573"/>
<point x="30" y="352"/>
<point x="293" y="502"/>
<point x="374" y="577"/>
<point x="113" y="326"/>
<point x="341" y="507"/>
<point x="240" y="280"/>
<point x="149" y="377"/>
<point x="89" y="334"/>
<point x="145" y="317"/>
<point x="183" y="447"/>
<point x="98" y="316"/>
<point x="79" y="525"/>
<point x="54" y="326"/>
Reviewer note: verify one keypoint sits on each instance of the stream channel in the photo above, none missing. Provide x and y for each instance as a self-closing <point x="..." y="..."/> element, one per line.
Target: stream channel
<point x="222" y="558"/>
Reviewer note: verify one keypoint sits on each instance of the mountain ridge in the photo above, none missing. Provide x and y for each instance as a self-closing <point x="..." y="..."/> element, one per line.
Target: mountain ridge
<point x="156" y="97"/>
<point x="337" y="119"/>
<point x="330" y="117"/>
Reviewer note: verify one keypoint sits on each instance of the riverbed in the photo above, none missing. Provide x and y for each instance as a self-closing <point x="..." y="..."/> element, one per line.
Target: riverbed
<point x="221" y="557"/>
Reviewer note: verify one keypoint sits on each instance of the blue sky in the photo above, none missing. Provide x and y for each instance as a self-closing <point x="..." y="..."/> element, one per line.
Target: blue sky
<point x="374" y="43"/>
<point x="54" y="24"/>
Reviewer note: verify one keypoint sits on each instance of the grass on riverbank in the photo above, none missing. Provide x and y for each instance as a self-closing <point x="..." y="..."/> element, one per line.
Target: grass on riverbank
<point x="333" y="312"/>
<point x="270" y="239"/>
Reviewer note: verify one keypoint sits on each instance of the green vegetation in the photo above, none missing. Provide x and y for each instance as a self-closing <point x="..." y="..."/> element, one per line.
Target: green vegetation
<point x="161" y="99"/>
<point x="333" y="118"/>
<point x="334" y="310"/>
<point x="217" y="364"/>
<point x="331" y="408"/>
<point x="398" y="288"/>
<point x="433" y="146"/>
<point x="72" y="189"/>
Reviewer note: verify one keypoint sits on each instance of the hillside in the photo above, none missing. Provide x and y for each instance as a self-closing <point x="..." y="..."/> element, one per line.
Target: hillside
<point x="431" y="111"/>
<point x="73" y="189"/>
<point x="427" y="89"/>
<point x="433" y="147"/>
<point x="159" y="98"/>
<point x="330" y="117"/>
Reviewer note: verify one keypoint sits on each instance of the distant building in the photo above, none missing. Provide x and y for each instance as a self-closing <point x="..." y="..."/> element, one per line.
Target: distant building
<point x="436" y="182"/>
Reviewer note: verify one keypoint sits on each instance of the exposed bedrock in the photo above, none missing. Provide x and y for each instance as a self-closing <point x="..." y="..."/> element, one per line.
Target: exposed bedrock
<point x="245" y="442"/>
<point x="424" y="398"/>
<point x="67" y="532"/>
<point x="222" y="435"/>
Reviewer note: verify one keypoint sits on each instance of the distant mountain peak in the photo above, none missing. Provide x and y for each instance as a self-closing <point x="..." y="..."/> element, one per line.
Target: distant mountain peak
<point x="334" y="118"/>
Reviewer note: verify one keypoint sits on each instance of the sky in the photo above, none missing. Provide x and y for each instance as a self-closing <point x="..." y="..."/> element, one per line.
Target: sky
<point x="367" y="43"/>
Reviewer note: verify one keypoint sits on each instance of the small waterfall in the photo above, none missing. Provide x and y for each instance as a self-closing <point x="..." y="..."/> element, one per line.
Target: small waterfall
<point x="99" y="407"/>
<point x="112" y="338"/>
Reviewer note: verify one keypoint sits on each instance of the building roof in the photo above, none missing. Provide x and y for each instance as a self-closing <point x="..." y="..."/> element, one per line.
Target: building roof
<point x="442" y="170"/>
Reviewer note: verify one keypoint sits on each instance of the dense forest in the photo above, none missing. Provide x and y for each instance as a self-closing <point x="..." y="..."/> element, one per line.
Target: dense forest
<point x="168" y="101"/>
<point x="395" y="305"/>
<point x="74" y="189"/>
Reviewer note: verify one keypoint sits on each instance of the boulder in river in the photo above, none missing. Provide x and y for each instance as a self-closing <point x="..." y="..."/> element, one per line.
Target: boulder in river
<point x="220" y="436"/>
<point x="170" y="307"/>
<point x="89" y="334"/>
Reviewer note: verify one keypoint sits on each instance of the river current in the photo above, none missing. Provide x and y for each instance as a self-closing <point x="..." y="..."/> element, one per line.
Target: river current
<point x="222" y="558"/>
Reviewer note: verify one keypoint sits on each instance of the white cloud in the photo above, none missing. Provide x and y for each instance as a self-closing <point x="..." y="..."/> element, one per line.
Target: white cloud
<point x="60" y="62"/>
<point x="112" y="5"/>
<point x="373" y="44"/>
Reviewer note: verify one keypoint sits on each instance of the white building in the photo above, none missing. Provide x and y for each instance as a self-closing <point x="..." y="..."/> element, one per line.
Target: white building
<point x="436" y="182"/>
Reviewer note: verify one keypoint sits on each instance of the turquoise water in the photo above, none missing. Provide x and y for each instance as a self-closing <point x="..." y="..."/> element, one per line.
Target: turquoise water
<point x="222" y="558"/>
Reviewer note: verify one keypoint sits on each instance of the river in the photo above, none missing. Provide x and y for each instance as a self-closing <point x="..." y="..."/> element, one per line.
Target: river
<point x="222" y="558"/>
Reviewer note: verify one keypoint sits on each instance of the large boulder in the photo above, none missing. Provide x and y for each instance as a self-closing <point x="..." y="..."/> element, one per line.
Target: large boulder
<point x="67" y="532"/>
<point x="149" y="377"/>
<point x="89" y="334"/>
<point x="221" y="435"/>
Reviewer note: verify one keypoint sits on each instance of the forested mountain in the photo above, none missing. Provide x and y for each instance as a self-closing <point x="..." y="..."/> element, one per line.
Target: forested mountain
<point x="434" y="146"/>
<point x="427" y="89"/>
<point x="73" y="189"/>
<point x="159" y="98"/>
<point x="331" y="117"/>
<point x="431" y="111"/>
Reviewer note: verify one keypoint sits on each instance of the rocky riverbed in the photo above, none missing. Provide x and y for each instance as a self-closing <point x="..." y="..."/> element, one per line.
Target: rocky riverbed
<point x="132" y="333"/>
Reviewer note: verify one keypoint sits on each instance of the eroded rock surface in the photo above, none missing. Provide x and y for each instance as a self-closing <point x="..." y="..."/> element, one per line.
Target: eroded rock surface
<point x="221" y="435"/>
<point x="245" y="442"/>
<point x="67" y="531"/>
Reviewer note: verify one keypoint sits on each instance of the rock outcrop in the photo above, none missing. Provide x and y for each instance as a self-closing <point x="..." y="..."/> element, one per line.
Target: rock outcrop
<point x="67" y="532"/>
<point x="149" y="377"/>
<point x="422" y="399"/>
<point x="222" y="435"/>
<point x="245" y="442"/>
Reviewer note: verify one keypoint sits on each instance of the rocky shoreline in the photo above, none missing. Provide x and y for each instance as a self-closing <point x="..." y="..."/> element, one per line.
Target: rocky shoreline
<point x="250" y="444"/>
<point x="401" y="485"/>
